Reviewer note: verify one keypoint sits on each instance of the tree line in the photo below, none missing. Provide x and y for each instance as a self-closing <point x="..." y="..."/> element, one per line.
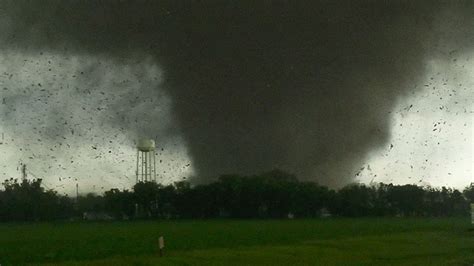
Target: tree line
<point x="274" y="194"/>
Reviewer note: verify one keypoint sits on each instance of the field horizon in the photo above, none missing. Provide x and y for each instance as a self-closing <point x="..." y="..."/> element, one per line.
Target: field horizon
<point x="332" y="241"/>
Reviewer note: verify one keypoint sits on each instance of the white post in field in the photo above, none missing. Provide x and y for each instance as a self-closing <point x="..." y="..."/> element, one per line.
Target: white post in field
<point x="161" y="245"/>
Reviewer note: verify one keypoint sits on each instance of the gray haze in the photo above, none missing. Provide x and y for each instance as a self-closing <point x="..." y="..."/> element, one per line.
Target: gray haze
<point x="307" y="87"/>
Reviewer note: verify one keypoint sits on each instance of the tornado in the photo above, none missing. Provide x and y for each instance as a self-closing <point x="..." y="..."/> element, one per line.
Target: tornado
<point x="303" y="86"/>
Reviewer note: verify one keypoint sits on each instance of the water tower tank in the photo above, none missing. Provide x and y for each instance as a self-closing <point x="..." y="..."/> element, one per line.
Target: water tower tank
<point x="146" y="145"/>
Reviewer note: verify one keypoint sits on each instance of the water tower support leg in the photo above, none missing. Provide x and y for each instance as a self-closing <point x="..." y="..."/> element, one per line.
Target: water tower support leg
<point x="141" y="156"/>
<point x="145" y="154"/>
<point x="154" y="165"/>
<point x="138" y="159"/>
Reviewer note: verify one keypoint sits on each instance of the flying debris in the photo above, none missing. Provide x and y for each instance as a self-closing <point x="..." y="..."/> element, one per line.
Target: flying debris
<point x="255" y="102"/>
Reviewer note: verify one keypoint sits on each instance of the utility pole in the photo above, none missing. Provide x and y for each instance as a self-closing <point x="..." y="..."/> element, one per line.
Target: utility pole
<point x="23" y="172"/>
<point x="77" y="193"/>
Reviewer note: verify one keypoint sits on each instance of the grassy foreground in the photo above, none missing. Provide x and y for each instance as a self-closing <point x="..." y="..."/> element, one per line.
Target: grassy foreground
<point x="237" y="242"/>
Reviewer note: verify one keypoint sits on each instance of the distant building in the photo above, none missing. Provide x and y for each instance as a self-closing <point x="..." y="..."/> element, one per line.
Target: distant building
<point x="96" y="216"/>
<point x="324" y="213"/>
<point x="472" y="213"/>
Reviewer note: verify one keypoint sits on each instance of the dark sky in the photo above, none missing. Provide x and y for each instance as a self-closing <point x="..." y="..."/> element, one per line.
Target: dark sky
<point x="242" y="87"/>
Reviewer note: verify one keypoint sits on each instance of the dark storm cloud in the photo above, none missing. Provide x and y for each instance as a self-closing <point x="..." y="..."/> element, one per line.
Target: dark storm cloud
<point x="307" y="87"/>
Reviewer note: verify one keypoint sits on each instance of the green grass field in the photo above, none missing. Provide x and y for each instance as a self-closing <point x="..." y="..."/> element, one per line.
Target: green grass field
<point x="242" y="242"/>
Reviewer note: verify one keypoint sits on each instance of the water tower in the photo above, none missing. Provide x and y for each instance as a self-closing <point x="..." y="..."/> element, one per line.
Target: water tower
<point x="146" y="163"/>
